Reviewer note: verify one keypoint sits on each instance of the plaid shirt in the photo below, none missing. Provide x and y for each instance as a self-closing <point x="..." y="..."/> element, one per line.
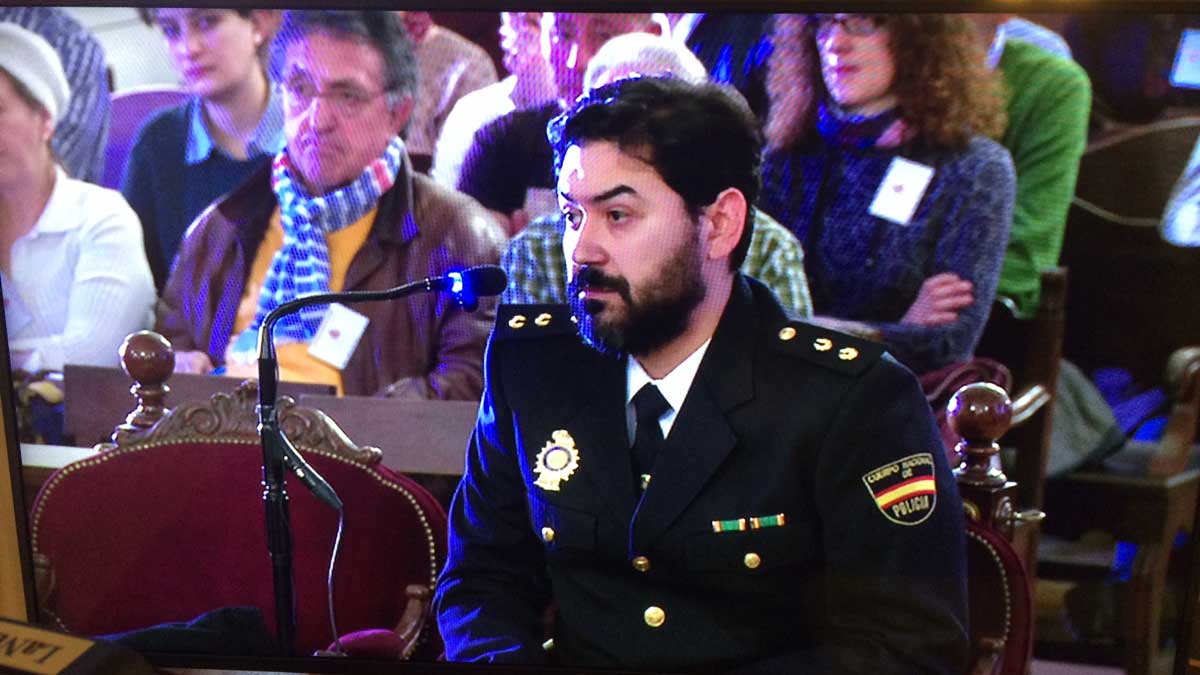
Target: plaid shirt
<point x="537" y="269"/>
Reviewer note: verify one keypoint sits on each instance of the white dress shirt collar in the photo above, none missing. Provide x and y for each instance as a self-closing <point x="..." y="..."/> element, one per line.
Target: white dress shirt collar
<point x="674" y="386"/>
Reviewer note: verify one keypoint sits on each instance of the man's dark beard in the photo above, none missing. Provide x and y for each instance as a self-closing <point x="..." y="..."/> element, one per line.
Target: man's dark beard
<point x="657" y="318"/>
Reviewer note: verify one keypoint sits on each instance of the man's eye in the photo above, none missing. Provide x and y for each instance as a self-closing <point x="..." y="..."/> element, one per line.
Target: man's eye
<point x="617" y="216"/>
<point x="207" y="21"/>
<point x="574" y="218"/>
<point x="171" y="31"/>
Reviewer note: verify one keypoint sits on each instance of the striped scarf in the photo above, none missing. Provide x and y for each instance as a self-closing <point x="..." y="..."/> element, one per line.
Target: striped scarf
<point x="301" y="266"/>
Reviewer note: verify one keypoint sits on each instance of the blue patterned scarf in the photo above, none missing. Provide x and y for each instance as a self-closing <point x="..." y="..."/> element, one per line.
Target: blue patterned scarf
<point x="301" y="266"/>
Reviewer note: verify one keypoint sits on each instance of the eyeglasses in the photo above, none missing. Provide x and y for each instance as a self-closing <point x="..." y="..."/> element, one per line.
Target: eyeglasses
<point x="852" y="24"/>
<point x="346" y="101"/>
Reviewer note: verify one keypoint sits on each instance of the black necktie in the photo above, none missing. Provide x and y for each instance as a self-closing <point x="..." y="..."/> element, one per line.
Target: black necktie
<point x="648" y="406"/>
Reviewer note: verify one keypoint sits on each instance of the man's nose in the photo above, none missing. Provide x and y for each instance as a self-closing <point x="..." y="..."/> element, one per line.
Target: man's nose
<point x="320" y="113"/>
<point x="587" y="246"/>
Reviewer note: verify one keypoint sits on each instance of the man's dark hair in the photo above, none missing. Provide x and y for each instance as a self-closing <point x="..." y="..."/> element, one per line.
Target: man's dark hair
<point x="701" y="138"/>
<point x="383" y="30"/>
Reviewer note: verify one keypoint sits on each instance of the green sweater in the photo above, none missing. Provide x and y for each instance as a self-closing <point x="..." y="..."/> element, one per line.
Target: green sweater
<point x="1049" y="99"/>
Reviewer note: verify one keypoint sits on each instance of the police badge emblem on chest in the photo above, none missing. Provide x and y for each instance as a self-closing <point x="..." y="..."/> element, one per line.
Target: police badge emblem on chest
<point x="557" y="461"/>
<point x="904" y="491"/>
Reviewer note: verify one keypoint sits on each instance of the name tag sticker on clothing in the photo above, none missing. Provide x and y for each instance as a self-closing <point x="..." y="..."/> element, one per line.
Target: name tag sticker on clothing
<point x="1186" y="72"/>
<point x="338" y="336"/>
<point x="901" y="191"/>
<point x="905" y="491"/>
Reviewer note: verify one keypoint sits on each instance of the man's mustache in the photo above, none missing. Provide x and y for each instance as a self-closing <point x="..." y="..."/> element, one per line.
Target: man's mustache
<point x="595" y="278"/>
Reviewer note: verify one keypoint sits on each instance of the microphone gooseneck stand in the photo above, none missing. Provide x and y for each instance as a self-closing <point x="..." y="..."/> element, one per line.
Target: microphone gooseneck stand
<point x="278" y="452"/>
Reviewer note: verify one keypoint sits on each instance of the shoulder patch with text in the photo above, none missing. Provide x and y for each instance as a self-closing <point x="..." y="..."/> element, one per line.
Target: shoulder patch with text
<point x="904" y="491"/>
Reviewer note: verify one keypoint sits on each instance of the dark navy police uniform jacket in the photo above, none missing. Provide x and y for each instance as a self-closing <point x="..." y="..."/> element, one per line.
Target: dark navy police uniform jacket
<point x="802" y="516"/>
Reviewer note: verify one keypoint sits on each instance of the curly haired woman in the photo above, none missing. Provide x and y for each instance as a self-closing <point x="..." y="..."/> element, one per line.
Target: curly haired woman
<point x="878" y="159"/>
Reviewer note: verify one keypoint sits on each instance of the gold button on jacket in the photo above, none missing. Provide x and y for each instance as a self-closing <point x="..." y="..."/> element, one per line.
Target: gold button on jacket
<point x="752" y="560"/>
<point x="641" y="563"/>
<point x="547" y="534"/>
<point x="654" y="616"/>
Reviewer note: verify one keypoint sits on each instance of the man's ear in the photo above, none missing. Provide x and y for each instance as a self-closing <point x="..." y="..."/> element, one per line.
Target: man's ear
<point x="401" y="112"/>
<point x="727" y="219"/>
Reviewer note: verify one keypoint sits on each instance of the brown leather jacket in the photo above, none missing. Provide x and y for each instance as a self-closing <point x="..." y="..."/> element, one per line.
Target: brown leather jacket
<point x="424" y="346"/>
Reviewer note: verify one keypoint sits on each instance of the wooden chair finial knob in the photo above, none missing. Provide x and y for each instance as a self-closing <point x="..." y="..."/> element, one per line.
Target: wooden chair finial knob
<point x="147" y="357"/>
<point x="979" y="414"/>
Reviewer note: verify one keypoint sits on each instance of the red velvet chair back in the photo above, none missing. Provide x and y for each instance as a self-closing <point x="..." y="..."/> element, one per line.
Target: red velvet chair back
<point x="1001" y="607"/>
<point x="171" y="525"/>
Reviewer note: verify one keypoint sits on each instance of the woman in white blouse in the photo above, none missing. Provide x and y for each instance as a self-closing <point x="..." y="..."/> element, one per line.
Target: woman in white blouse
<point x="75" y="277"/>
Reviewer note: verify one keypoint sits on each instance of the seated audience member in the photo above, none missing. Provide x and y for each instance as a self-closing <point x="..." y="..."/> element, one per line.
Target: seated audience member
<point x="509" y="166"/>
<point x="733" y="48"/>
<point x="186" y="157"/>
<point x="339" y="209"/>
<point x="528" y="85"/>
<point x="1047" y="101"/>
<point x="679" y="476"/>
<point x="449" y="66"/>
<point x="534" y="260"/>
<point x="1181" y="218"/>
<point x="878" y="163"/>
<point x="75" y="279"/>
<point x="81" y="132"/>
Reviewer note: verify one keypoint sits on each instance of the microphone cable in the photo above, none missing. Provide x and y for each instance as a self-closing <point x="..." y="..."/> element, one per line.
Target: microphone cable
<point x="337" y="545"/>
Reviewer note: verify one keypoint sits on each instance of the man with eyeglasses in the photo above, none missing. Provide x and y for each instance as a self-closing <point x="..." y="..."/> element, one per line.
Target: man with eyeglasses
<point x="339" y="209"/>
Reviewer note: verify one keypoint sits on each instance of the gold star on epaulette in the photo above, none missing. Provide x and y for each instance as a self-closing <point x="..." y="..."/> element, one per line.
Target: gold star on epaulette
<point x="840" y="351"/>
<point x="531" y="321"/>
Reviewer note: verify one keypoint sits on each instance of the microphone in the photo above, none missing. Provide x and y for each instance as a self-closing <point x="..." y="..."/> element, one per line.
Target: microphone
<point x="466" y="286"/>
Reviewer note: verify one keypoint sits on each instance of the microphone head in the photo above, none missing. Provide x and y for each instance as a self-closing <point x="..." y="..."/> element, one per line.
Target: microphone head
<point x="481" y="281"/>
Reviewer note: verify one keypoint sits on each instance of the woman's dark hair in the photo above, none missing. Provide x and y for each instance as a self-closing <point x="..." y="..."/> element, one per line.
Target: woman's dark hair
<point x="945" y="92"/>
<point x="700" y="138"/>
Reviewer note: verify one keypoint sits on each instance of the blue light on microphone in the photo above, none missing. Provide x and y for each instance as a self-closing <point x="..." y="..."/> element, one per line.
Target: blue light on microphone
<point x="456" y="285"/>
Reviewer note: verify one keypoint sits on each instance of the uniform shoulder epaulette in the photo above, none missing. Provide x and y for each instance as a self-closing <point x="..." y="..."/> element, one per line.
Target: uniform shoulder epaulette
<point x="833" y="349"/>
<point x="533" y="321"/>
